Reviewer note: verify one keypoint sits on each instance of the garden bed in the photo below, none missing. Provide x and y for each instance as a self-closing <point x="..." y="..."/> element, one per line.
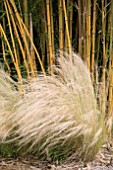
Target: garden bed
<point x="104" y="161"/>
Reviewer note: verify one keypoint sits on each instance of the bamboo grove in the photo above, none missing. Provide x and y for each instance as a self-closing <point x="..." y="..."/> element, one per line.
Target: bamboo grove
<point x="32" y="32"/>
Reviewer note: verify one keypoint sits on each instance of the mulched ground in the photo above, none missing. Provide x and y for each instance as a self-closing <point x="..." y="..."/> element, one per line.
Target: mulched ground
<point x="104" y="161"/>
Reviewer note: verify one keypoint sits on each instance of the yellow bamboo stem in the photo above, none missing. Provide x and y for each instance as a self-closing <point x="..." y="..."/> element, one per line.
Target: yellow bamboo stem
<point x="11" y="53"/>
<point x="104" y="57"/>
<point x="18" y="38"/>
<point x="11" y="33"/>
<point x="67" y="30"/>
<point x="88" y="29"/>
<point x="84" y="31"/>
<point x="70" y="18"/>
<point x="26" y="18"/>
<point x="52" y="30"/>
<point x="20" y="25"/>
<point x="93" y="40"/>
<point x="79" y="28"/>
<point x="49" y="33"/>
<point x="37" y="54"/>
<point x="45" y="30"/>
<point x="32" y="54"/>
<point x="61" y="30"/>
<point x="110" y="99"/>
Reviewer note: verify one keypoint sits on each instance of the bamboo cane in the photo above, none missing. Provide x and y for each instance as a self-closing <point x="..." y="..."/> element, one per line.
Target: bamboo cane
<point x="84" y="31"/>
<point x="67" y="30"/>
<point x="26" y="18"/>
<point x="80" y="28"/>
<point x="21" y="29"/>
<point x="104" y="56"/>
<point x="32" y="54"/>
<point x="45" y="31"/>
<point x="49" y="33"/>
<point x="93" y="40"/>
<point x="110" y="99"/>
<point x="88" y="30"/>
<point x="52" y="30"/>
<point x="70" y="19"/>
<point x="11" y="53"/>
<point x="12" y="36"/>
<point x="18" y="39"/>
<point x="61" y="29"/>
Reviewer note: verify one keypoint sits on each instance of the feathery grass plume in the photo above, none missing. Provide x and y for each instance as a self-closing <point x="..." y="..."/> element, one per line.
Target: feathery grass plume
<point x="8" y="97"/>
<point x="59" y="112"/>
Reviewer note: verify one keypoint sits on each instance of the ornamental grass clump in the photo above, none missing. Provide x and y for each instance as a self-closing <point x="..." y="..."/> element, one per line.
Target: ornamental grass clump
<point x="59" y="113"/>
<point x="8" y="98"/>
